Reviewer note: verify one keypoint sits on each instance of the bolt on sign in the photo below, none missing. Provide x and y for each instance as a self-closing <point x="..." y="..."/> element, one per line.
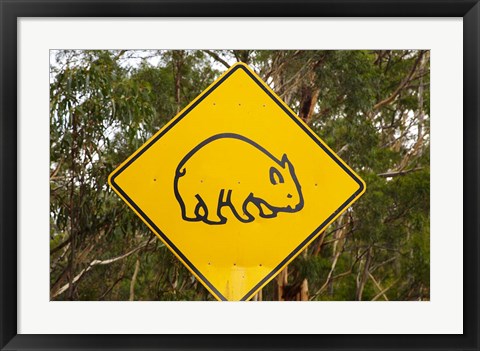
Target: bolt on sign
<point x="236" y="185"/>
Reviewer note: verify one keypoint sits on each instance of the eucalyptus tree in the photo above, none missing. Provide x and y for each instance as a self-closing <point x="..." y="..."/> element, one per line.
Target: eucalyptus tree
<point x="371" y="107"/>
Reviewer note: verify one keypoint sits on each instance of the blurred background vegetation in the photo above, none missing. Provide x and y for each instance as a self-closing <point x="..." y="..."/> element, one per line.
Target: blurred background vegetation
<point x="370" y="107"/>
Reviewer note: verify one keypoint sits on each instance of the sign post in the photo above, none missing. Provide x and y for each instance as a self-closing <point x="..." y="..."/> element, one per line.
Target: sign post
<point x="236" y="185"/>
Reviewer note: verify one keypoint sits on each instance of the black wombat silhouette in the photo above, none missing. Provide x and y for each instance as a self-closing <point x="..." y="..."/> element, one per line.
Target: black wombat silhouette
<point x="231" y="171"/>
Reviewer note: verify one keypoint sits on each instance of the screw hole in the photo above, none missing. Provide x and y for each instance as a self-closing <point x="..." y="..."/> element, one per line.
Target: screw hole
<point x="154" y="179"/>
<point x="260" y="265"/>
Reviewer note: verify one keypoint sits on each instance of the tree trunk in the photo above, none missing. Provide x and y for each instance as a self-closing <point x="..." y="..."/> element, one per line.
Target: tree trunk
<point x="73" y="210"/>
<point x="282" y="281"/>
<point x="134" y="280"/>
<point x="242" y="56"/>
<point x="308" y="102"/>
<point x="303" y="296"/>
<point x="363" y="276"/>
<point x="177" y="64"/>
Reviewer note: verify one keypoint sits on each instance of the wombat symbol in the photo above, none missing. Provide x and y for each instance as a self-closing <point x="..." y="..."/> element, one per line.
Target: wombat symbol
<point x="231" y="171"/>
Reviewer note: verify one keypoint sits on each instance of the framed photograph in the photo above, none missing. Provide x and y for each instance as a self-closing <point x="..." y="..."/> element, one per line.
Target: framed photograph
<point x="221" y="175"/>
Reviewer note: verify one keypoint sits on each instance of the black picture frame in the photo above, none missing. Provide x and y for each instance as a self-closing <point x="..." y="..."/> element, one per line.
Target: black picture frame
<point x="12" y="10"/>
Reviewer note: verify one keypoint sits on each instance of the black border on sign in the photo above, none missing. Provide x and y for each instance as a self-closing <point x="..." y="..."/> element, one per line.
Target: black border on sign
<point x="11" y="11"/>
<point x="300" y="247"/>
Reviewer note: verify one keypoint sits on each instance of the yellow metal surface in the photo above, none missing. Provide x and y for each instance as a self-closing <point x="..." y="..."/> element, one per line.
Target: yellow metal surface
<point x="236" y="185"/>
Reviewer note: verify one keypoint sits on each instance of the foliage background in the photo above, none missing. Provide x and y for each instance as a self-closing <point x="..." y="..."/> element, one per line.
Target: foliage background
<point x="370" y="107"/>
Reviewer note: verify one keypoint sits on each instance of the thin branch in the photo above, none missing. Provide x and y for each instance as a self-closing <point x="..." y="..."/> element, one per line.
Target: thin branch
<point x="295" y="77"/>
<point x="119" y="55"/>
<point x="93" y="264"/>
<point x="407" y="130"/>
<point x="401" y="86"/>
<point x="343" y="149"/>
<point x="383" y="263"/>
<point x="111" y="288"/>
<point x="399" y="173"/>
<point x="217" y="58"/>
<point x="55" y="171"/>
<point x="362" y="276"/>
<point x="134" y="280"/>
<point x="384" y="291"/>
<point x="330" y="278"/>
<point x="63" y="244"/>
<point x="331" y="241"/>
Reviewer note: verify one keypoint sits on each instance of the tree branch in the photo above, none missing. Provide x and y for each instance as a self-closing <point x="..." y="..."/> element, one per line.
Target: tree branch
<point x="96" y="263"/>
<point x="399" y="173"/>
<point x="384" y="291"/>
<point x="111" y="288"/>
<point x="63" y="244"/>
<point x="381" y="291"/>
<point x="134" y="280"/>
<point x="217" y="58"/>
<point x="402" y="84"/>
<point x="55" y="171"/>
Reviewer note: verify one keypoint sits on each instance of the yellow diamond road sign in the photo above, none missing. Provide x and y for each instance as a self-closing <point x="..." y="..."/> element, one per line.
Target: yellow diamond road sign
<point x="236" y="185"/>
